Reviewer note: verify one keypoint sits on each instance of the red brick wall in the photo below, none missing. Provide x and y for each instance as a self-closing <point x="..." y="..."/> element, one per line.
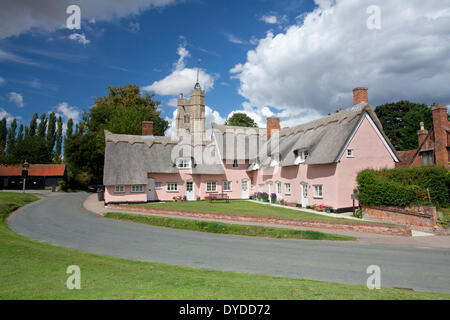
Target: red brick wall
<point x="440" y="124"/>
<point x="338" y="225"/>
<point x="421" y="218"/>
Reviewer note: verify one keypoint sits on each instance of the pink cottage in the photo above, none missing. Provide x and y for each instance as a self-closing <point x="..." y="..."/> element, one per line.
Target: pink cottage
<point x="312" y="163"/>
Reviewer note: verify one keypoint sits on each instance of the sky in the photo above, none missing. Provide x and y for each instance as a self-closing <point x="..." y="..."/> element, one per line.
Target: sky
<point x="297" y="60"/>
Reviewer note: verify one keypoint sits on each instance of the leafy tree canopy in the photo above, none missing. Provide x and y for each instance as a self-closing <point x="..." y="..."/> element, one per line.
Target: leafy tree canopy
<point x="241" y="120"/>
<point x="121" y="111"/>
<point x="401" y="121"/>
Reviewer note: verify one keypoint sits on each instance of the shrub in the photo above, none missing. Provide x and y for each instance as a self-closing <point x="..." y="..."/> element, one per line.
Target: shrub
<point x="403" y="186"/>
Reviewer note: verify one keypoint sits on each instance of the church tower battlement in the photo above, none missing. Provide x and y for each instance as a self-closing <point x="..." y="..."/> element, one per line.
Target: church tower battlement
<point x="191" y="113"/>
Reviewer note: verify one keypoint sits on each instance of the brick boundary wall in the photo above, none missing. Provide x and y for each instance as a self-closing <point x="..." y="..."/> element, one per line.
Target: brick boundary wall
<point x="421" y="218"/>
<point x="337" y="225"/>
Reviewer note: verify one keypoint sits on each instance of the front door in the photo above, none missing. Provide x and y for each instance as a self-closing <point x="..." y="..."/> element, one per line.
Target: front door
<point x="190" y="190"/>
<point x="151" y="189"/>
<point x="244" y="188"/>
<point x="304" y="192"/>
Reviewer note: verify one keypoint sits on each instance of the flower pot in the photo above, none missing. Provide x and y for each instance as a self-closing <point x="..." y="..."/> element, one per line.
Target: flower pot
<point x="328" y="210"/>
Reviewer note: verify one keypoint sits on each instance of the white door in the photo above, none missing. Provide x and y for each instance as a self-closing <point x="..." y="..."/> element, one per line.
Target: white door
<point x="278" y="190"/>
<point x="244" y="188"/>
<point x="270" y="188"/>
<point x="151" y="189"/>
<point x="190" y="190"/>
<point x="304" y="191"/>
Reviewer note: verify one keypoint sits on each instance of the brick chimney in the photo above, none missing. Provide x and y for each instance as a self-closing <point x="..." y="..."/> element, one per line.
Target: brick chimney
<point x="147" y="128"/>
<point x="272" y="124"/>
<point x="360" y="94"/>
<point x="440" y="124"/>
<point x="422" y="134"/>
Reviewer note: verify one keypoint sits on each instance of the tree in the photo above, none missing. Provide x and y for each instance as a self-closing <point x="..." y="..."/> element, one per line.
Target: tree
<point x="59" y="135"/>
<point x="51" y="131"/>
<point x="121" y="111"/>
<point x="401" y="121"/>
<point x="11" y="140"/>
<point x="241" y="120"/>
<point x="3" y="135"/>
<point x="33" y="125"/>
<point x="42" y="128"/>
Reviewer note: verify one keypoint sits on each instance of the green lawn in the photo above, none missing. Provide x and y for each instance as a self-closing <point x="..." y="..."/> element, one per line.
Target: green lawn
<point x="33" y="270"/>
<point x="226" y="228"/>
<point x="245" y="208"/>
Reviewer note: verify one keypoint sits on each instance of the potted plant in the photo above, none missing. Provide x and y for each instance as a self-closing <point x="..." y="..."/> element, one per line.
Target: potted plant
<point x="198" y="198"/>
<point x="184" y="198"/>
<point x="273" y="197"/>
<point x="282" y="202"/>
<point x="174" y="198"/>
<point x="265" y="197"/>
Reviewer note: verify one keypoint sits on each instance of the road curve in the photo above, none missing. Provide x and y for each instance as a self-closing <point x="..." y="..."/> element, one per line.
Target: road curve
<point x="61" y="220"/>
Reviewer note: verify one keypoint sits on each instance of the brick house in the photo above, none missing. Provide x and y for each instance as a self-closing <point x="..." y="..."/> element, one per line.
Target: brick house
<point x="311" y="163"/>
<point x="433" y="144"/>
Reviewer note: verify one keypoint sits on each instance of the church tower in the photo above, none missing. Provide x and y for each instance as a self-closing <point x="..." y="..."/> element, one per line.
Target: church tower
<point x="191" y="113"/>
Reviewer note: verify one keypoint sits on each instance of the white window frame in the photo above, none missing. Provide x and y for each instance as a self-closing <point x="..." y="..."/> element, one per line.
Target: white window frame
<point x="287" y="187"/>
<point x="170" y="187"/>
<point x="137" y="188"/>
<point x="318" y="192"/>
<point x="158" y="185"/>
<point x="230" y="186"/>
<point x="278" y="187"/>
<point x="210" y="183"/>
<point x="350" y="153"/>
<point x="235" y="164"/>
<point x="184" y="163"/>
<point x="120" y="188"/>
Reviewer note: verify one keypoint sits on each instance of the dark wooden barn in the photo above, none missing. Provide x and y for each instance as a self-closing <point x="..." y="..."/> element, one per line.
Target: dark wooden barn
<point x="40" y="176"/>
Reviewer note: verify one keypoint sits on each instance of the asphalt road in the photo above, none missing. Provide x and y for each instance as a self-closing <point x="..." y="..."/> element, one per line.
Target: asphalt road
<point x="61" y="220"/>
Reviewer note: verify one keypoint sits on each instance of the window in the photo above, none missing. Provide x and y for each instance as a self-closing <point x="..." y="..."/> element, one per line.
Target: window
<point x="158" y="185"/>
<point x="427" y="158"/>
<point x="211" y="186"/>
<point x="278" y="186"/>
<point x="119" y="189"/>
<point x="137" y="188"/>
<point x="227" y="186"/>
<point x="186" y="119"/>
<point x="172" y="187"/>
<point x="235" y="164"/>
<point x="318" y="191"/>
<point x="301" y="156"/>
<point x="288" y="188"/>
<point x="184" y="163"/>
<point x="350" y="153"/>
<point x="261" y="188"/>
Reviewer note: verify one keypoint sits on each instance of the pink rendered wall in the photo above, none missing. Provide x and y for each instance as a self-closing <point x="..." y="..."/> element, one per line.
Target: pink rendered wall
<point x="369" y="153"/>
<point x="127" y="196"/>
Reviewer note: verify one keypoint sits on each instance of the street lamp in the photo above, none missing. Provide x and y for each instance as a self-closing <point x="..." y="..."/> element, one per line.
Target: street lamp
<point x="25" y="167"/>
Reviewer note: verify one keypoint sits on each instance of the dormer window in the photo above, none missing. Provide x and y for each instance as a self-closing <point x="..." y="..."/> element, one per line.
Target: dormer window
<point x="350" y="153"/>
<point x="184" y="163"/>
<point x="235" y="164"/>
<point x="301" y="156"/>
<point x="186" y="119"/>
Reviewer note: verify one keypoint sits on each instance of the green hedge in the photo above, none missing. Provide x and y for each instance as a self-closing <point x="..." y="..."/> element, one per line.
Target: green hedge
<point x="404" y="186"/>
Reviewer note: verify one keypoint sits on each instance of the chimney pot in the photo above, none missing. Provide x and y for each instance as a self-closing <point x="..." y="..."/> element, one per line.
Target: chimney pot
<point x="360" y="94"/>
<point x="147" y="128"/>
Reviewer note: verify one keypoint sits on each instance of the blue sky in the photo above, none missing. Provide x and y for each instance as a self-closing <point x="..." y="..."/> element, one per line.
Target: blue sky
<point x="297" y="60"/>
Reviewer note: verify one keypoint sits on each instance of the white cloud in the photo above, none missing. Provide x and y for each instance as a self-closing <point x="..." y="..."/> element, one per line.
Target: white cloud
<point x="134" y="27"/>
<point x="16" y="98"/>
<point x="9" y="117"/>
<point x="234" y="39"/>
<point x="80" y="38"/>
<point x="2" y="81"/>
<point x="17" y="17"/>
<point x="68" y="112"/>
<point x="310" y="69"/>
<point x="182" y="79"/>
<point x="269" y="19"/>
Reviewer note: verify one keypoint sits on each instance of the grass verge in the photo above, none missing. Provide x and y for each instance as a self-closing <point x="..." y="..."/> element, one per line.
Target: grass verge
<point x="245" y="207"/>
<point x="226" y="228"/>
<point x="34" y="270"/>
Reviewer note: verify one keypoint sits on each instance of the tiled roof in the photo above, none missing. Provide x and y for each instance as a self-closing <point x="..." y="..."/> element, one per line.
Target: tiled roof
<point x="35" y="170"/>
